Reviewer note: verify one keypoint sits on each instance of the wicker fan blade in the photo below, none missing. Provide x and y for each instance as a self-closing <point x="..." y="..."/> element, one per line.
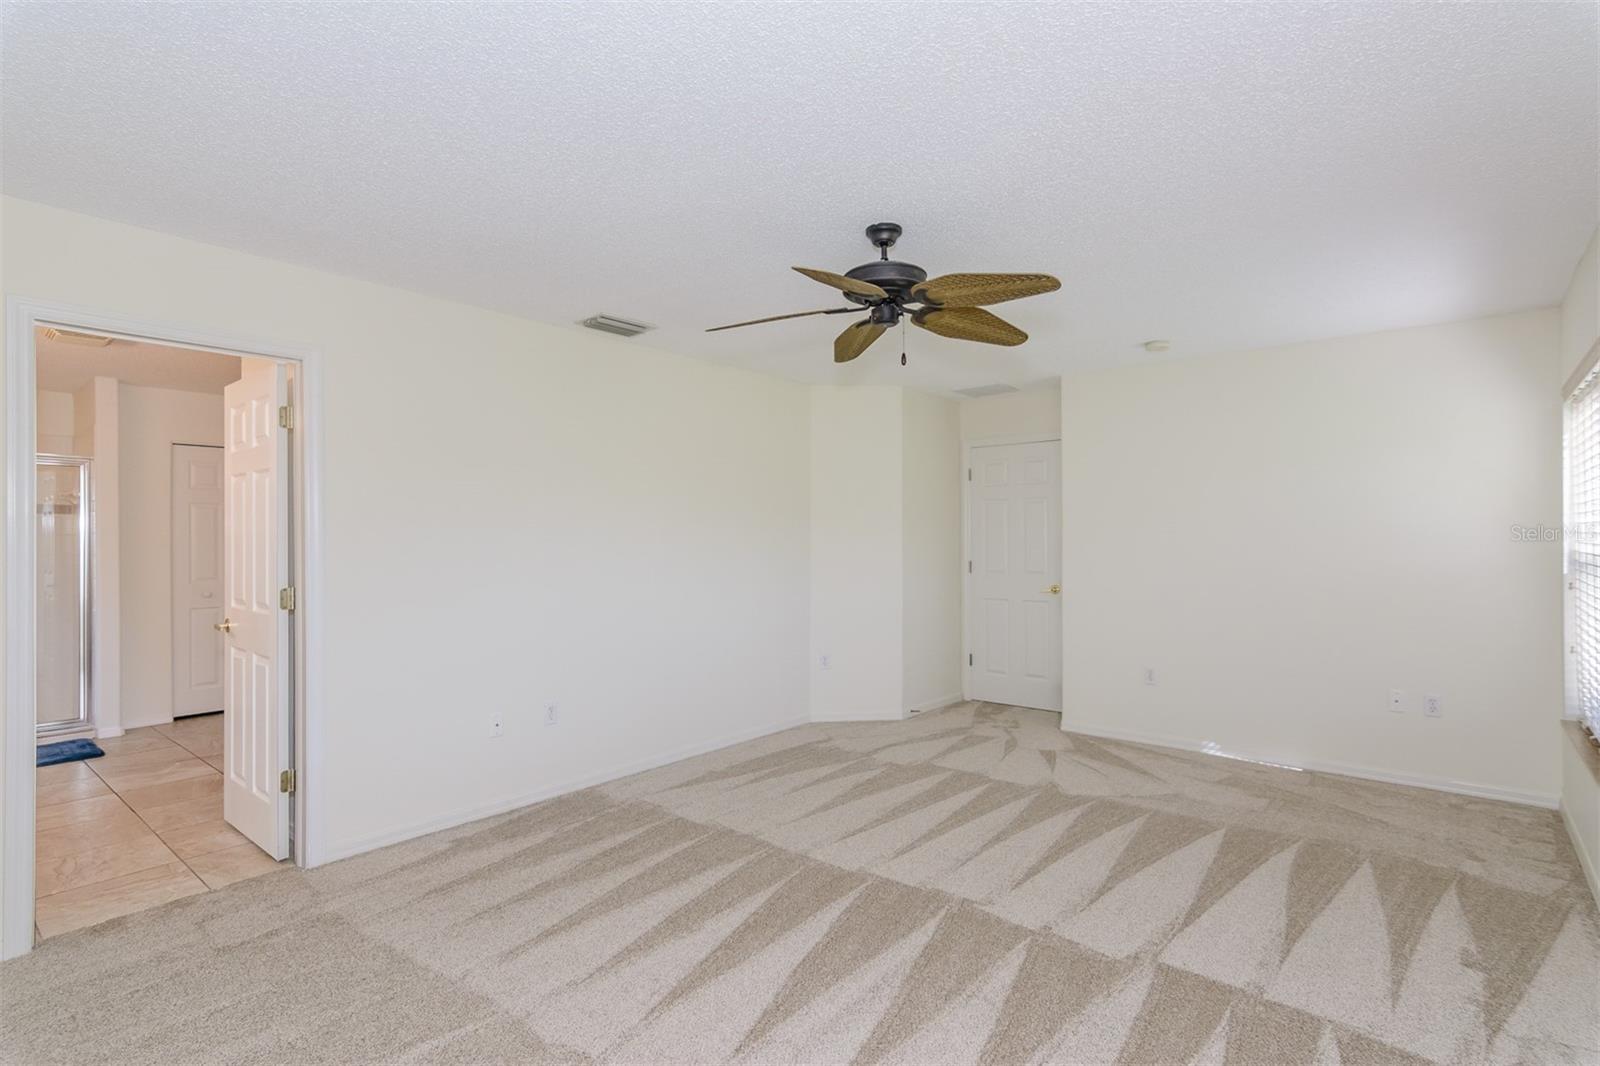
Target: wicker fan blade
<point x="977" y="290"/>
<point x="855" y="340"/>
<point x="969" y="324"/>
<point x="779" y="318"/>
<point x="844" y="284"/>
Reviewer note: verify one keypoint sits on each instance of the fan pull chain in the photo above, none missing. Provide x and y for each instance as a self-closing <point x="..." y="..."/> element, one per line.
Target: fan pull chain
<point x="902" y="342"/>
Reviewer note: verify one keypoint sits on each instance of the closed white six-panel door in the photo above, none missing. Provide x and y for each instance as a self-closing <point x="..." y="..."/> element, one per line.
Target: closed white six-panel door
<point x="256" y="722"/>
<point x="197" y="553"/>
<point x="1014" y="590"/>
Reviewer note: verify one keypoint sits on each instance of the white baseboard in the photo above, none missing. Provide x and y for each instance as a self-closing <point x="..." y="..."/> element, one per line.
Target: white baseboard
<point x="81" y="733"/>
<point x="472" y="814"/>
<point x="938" y="704"/>
<point x="1547" y="800"/>
<point x="107" y="734"/>
<point x="1585" y="860"/>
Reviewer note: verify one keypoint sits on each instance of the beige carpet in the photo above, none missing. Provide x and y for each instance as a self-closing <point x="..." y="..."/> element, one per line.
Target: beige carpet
<point x="972" y="885"/>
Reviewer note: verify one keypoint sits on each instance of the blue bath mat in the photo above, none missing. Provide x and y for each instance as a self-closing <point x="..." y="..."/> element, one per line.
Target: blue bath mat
<point x="68" y="751"/>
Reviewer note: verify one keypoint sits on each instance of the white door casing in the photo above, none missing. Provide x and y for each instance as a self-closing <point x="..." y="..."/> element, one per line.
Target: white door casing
<point x="197" y="579"/>
<point x="1013" y="602"/>
<point x="256" y="723"/>
<point x="23" y="317"/>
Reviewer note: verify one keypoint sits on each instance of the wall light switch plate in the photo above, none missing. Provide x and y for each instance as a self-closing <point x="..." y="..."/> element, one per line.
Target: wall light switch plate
<point x="551" y="714"/>
<point x="1397" y="701"/>
<point x="497" y="725"/>
<point x="1433" y="706"/>
<point x="1149" y="675"/>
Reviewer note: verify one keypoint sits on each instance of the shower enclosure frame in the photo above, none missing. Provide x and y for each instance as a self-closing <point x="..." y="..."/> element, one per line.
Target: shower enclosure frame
<point x="85" y="719"/>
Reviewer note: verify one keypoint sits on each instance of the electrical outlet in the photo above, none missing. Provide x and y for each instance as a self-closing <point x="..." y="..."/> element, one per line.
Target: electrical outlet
<point x="551" y="714"/>
<point x="1149" y="675"/>
<point x="497" y="724"/>
<point x="1397" y="701"/>
<point x="1433" y="706"/>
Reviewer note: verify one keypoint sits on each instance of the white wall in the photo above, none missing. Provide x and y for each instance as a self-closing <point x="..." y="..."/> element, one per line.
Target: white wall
<point x="151" y="421"/>
<point x="1034" y="411"/>
<point x="83" y="412"/>
<point x="857" y="570"/>
<point x="1285" y="535"/>
<point x="627" y="535"/>
<point x="931" y="534"/>
<point x="54" y="428"/>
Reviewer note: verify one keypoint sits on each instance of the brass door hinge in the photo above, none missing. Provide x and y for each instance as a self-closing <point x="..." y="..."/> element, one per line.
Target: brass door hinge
<point x="286" y="781"/>
<point x="286" y="416"/>
<point x="286" y="598"/>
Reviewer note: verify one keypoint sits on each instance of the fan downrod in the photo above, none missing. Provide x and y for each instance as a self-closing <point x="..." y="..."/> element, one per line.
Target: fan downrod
<point x="884" y="234"/>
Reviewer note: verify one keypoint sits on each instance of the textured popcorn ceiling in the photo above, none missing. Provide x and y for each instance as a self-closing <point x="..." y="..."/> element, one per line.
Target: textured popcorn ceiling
<point x="1223" y="176"/>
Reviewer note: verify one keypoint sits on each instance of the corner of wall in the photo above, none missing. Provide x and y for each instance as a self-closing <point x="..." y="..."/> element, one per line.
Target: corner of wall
<point x="856" y="642"/>
<point x="885" y="553"/>
<point x="931" y="581"/>
<point x="103" y="431"/>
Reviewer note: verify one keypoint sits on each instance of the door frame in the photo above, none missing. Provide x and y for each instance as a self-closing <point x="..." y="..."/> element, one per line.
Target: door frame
<point x="968" y="446"/>
<point x="172" y="551"/>
<point x="23" y="317"/>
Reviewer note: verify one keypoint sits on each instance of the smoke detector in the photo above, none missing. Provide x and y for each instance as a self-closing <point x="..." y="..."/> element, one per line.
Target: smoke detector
<point x="82" y="340"/>
<point x="622" y="327"/>
<point x="986" y="390"/>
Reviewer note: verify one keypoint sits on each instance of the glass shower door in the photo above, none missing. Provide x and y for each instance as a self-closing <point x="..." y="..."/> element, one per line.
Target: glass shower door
<point x="61" y="593"/>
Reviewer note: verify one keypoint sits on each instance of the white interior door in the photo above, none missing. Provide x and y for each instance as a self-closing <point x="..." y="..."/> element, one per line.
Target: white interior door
<point x="197" y="554"/>
<point x="256" y="723"/>
<point x="1014" y="588"/>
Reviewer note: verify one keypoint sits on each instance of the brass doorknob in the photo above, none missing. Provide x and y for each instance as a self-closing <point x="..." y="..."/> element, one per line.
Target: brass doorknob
<point x="1054" y="590"/>
<point x="224" y="626"/>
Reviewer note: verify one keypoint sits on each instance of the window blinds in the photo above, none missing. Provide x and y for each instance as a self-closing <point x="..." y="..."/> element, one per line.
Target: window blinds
<point x="1583" y="545"/>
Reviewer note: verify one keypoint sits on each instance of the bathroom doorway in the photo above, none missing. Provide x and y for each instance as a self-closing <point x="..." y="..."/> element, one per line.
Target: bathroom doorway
<point x="163" y="652"/>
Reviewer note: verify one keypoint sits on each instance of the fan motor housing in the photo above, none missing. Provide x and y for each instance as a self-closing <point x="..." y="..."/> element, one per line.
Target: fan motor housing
<point x="894" y="277"/>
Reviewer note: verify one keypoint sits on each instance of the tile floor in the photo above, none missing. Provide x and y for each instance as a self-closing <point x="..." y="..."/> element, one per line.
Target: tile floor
<point x="136" y="828"/>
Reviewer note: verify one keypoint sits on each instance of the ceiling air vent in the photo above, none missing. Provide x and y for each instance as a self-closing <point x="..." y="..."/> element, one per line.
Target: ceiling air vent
<point x="67" y="336"/>
<point x="985" y="390"/>
<point x="612" y="324"/>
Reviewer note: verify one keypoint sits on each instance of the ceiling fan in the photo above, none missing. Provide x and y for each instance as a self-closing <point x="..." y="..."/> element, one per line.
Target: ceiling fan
<point x="951" y="304"/>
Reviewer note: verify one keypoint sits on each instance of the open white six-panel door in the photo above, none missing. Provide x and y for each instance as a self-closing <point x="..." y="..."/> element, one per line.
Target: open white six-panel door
<point x="256" y="748"/>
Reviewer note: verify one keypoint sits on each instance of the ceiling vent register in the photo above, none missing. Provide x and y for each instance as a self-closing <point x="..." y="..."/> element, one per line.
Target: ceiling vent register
<point x="996" y="389"/>
<point x="622" y="327"/>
